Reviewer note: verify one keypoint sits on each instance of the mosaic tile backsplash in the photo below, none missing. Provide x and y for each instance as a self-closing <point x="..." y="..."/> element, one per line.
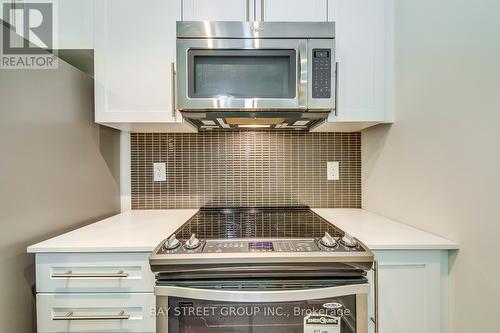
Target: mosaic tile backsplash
<point x="259" y="168"/>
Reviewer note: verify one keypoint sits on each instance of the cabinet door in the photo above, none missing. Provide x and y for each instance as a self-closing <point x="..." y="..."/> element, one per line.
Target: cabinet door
<point x="218" y="10"/>
<point x="292" y="10"/>
<point x="134" y="49"/>
<point x="412" y="291"/>
<point x="363" y="38"/>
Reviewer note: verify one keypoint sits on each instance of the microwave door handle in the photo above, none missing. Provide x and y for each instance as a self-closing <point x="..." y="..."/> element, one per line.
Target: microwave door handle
<point x="337" y="66"/>
<point x="302" y="75"/>
<point x="219" y="295"/>
<point x="172" y="89"/>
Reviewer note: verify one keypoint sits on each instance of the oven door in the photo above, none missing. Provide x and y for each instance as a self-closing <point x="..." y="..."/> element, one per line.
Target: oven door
<point x="262" y="307"/>
<point x="241" y="74"/>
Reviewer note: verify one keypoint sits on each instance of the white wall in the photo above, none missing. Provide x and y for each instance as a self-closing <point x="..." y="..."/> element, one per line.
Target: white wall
<point x="58" y="171"/>
<point x="438" y="166"/>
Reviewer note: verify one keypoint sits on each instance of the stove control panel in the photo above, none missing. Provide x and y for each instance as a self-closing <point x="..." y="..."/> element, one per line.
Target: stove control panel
<point x="261" y="246"/>
<point x="256" y="246"/>
<point x="225" y="247"/>
<point x="187" y="247"/>
<point x="252" y="246"/>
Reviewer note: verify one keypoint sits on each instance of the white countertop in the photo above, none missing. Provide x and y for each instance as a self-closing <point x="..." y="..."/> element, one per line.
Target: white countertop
<point x="143" y="230"/>
<point x="381" y="233"/>
<point x="130" y="231"/>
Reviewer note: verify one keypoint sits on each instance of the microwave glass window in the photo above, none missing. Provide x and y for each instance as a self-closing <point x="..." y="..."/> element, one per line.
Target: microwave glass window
<point x="242" y="74"/>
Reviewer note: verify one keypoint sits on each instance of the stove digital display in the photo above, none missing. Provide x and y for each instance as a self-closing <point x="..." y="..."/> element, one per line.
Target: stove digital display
<point x="261" y="246"/>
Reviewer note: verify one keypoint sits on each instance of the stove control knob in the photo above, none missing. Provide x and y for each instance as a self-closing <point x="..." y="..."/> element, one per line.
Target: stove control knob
<point x="328" y="240"/>
<point x="172" y="243"/>
<point x="193" y="242"/>
<point x="349" y="241"/>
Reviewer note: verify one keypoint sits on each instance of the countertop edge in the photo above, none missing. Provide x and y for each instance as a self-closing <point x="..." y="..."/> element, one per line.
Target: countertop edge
<point x="37" y="250"/>
<point x="344" y="216"/>
<point x="427" y="247"/>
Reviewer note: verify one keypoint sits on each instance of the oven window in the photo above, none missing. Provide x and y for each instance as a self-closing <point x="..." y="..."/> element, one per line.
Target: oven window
<point x="199" y="316"/>
<point x="242" y="73"/>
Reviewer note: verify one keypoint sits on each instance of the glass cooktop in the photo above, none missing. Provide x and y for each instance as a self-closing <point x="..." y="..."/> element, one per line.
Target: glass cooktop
<point x="261" y="222"/>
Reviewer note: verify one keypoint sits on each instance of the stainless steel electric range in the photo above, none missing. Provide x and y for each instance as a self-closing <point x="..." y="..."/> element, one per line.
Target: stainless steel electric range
<point x="270" y="269"/>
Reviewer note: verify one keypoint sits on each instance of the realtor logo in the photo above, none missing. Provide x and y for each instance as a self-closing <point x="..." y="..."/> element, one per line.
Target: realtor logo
<point x="28" y="35"/>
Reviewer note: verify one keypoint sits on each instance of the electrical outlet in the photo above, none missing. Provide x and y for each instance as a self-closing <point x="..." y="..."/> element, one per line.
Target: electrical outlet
<point x="159" y="172"/>
<point x="332" y="171"/>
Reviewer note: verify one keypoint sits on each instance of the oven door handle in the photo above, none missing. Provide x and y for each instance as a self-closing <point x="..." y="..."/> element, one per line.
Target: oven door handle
<point x="261" y="295"/>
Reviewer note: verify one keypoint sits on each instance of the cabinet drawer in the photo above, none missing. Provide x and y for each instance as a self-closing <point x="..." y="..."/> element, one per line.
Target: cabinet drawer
<point x="116" y="312"/>
<point x="93" y="272"/>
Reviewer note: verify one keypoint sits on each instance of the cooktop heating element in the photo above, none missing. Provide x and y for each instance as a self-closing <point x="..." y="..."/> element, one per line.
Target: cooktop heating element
<point x="272" y="222"/>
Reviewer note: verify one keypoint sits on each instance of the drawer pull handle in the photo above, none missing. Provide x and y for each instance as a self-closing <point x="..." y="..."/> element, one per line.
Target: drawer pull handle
<point x="71" y="316"/>
<point x="69" y="275"/>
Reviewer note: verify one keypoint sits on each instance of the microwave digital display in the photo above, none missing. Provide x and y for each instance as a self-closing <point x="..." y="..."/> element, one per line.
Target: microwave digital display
<point x="321" y="54"/>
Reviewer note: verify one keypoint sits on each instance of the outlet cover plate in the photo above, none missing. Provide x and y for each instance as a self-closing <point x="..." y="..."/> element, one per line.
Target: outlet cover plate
<point x="159" y="172"/>
<point x="332" y="170"/>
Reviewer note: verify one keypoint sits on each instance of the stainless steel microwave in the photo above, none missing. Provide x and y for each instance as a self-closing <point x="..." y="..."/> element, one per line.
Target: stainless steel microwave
<point x="255" y="74"/>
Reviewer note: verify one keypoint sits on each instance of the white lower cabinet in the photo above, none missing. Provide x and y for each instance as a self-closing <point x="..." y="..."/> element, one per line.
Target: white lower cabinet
<point x="94" y="292"/>
<point x="113" y="292"/>
<point x="412" y="292"/>
<point x="93" y="272"/>
<point x="95" y="312"/>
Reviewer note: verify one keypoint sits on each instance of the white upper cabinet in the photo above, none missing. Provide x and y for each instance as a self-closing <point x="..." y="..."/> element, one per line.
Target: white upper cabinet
<point x="134" y="57"/>
<point x="218" y="10"/>
<point x="292" y="10"/>
<point x="364" y="52"/>
<point x="361" y="51"/>
<point x="135" y="51"/>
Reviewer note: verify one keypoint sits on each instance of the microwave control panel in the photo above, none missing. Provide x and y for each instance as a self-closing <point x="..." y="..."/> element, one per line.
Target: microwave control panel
<point x="321" y="73"/>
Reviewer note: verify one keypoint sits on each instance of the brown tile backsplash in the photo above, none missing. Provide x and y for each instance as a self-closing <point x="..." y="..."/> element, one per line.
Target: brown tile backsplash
<point x="259" y="168"/>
